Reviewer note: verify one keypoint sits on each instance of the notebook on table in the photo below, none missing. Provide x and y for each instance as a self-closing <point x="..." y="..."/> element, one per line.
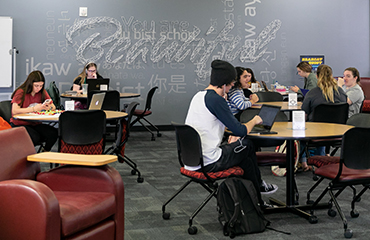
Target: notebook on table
<point x="97" y="101"/>
<point x="268" y="113"/>
<point x="94" y="84"/>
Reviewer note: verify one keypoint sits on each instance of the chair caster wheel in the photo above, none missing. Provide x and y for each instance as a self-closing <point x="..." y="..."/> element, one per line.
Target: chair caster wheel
<point x="159" y="134"/>
<point x="315" y="178"/>
<point x="166" y="215"/>
<point x="312" y="219"/>
<point x="192" y="230"/>
<point x="348" y="233"/>
<point x="140" y="180"/>
<point x="332" y="213"/>
<point x="133" y="172"/>
<point x="309" y="202"/>
<point x="354" y="214"/>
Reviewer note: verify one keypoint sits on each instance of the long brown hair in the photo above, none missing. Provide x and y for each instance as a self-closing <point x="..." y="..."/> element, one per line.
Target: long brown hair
<point x="326" y="82"/>
<point x="27" y="86"/>
<point x="83" y="74"/>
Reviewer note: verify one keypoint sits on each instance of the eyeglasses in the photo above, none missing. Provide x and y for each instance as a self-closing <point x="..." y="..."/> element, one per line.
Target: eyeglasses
<point x="91" y="71"/>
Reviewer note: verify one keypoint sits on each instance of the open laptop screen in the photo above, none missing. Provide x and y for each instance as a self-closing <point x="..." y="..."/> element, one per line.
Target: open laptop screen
<point x="94" y="84"/>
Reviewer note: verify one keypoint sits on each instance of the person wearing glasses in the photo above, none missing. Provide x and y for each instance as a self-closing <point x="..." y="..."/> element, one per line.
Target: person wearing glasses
<point x="30" y="97"/>
<point x="90" y="71"/>
<point x="304" y="69"/>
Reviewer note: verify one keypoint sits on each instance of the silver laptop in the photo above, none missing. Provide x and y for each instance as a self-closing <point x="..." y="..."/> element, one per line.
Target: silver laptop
<point x="268" y="113"/>
<point x="97" y="101"/>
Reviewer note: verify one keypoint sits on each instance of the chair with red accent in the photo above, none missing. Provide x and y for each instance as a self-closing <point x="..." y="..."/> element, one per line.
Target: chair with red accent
<point x="357" y="120"/>
<point x="353" y="169"/>
<point x="119" y="146"/>
<point x="189" y="151"/>
<point x="82" y="131"/>
<point x="141" y="114"/>
<point x="67" y="202"/>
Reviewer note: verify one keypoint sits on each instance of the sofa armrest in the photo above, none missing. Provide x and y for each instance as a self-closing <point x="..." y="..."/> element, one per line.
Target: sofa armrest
<point x="28" y="210"/>
<point x="88" y="179"/>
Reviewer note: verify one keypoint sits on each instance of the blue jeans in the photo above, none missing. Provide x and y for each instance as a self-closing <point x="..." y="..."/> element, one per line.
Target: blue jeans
<point x="315" y="151"/>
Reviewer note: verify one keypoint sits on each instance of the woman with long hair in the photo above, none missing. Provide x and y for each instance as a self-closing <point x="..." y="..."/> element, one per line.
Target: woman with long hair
<point x="90" y="71"/>
<point x="29" y="97"/>
<point x="304" y="69"/>
<point x="350" y="84"/>
<point x="327" y="91"/>
<point x="236" y="97"/>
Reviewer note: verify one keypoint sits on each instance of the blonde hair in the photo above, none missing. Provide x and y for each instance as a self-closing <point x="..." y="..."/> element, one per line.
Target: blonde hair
<point x="83" y="74"/>
<point x="326" y="82"/>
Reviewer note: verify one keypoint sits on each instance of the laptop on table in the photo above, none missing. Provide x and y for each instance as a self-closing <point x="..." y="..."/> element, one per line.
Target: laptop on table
<point x="268" y="113"/>
<point x="94" y="84"/>
<point x="97" y="101"/>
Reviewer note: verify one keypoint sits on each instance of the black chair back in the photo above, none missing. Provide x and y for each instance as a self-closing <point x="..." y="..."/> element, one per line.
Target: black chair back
<point x="355" y="151"/>
<point x="269" y="97"/>
<point x="359" y="120"/>
<point x="124" y="125"/>
<point x="148" y="104"/>
<point x="111" y="99"/>
<point x="189" y="147"/>
<point x="82" y="127"/>
<point x="331" y="113"/>
<point x="6" y="110"/>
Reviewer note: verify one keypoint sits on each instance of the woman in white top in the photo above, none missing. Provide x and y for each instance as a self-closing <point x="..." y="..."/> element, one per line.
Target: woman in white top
<point x="355" y="95"/>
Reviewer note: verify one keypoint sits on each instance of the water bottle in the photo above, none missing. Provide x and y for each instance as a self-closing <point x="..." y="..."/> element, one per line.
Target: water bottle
<point x="276" y="85"/>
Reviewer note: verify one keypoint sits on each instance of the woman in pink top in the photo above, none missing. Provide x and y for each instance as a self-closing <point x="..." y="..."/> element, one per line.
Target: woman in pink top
<point x="29" y="97"/>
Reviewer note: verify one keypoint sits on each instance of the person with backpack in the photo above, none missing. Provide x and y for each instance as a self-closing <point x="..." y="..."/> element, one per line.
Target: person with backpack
<point x="209" y="114"/>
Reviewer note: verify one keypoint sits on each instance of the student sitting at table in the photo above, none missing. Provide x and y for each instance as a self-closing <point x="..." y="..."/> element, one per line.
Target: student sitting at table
<point x="237" y="101"/>
<point x="90" y="71"/>
<point x="355" y="95"/>
<point x="304" y="70"/>
<point x="30" y="97"/>
<point x="209" y="114"/>
<point x="326" y="91"/>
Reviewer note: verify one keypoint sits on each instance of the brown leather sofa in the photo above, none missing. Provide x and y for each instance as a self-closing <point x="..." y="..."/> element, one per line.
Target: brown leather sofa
<point x="365" y="85"/>
<point x="68" y="202"/>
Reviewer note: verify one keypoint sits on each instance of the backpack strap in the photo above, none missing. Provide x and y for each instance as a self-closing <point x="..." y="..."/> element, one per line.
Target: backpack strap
<point x="230" y="184"/>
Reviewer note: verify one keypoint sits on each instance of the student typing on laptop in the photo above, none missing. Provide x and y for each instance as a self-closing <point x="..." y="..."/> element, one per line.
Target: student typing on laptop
<point x="209" y="114"/>
<point x="90" y="71"/>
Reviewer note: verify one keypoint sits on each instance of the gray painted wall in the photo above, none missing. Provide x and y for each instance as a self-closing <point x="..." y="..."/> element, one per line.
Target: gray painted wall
<point x="139" y="44"/>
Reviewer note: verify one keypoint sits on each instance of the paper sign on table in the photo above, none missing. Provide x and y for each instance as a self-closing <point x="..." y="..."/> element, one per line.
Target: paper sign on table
<point x="292" y="99"/>
<point x="70" y="105"/>
<point x="299" y="122"/>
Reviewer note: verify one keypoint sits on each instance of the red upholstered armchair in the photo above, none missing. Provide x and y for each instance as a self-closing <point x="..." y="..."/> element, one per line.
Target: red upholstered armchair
<point x="68" y="202"/>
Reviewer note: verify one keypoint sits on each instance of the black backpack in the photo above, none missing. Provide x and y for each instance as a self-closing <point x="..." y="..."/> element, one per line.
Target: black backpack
<point x="53" y="92"/>
<point x="238" y="208"/>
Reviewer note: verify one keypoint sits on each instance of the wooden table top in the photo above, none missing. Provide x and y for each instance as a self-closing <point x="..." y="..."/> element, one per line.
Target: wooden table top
<point x="82" y="96"/>
<point x="70" y="158"/>
<point x="110" y="115"/>
<point x="284" y="105"/>
<point x="313" y="130"/>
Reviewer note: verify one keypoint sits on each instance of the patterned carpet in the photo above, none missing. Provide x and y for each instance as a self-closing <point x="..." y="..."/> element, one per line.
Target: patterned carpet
<point x="158" y="163"/>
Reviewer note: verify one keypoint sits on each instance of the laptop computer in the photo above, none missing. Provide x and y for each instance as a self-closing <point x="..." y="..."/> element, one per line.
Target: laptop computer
<point x="97" y="101"/>
<point x="268" y="114"/>
<point x="94" y="84"/>
<point x="265" y="86"/>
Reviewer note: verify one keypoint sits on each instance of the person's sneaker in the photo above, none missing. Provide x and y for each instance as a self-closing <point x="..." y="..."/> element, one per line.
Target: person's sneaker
<point x="267" y="188"/>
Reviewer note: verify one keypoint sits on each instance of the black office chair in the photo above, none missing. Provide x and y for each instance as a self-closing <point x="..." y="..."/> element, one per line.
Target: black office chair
<point x="119" y="146"/>
<point x="328" y="113"/>
<point x="353" y="169"/>
<point x="6" y="114"/>
<point x="358" y="120"/>
<point x="269" y="97"/>
<point x="189" y="149"/>
<point x="82" y="132"/>
<point x="111" y="102"/>
<point x="141" y="114"/>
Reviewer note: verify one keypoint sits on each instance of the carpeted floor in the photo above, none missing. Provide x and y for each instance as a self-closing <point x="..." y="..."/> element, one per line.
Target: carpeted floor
<point x="158" y="163"/>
